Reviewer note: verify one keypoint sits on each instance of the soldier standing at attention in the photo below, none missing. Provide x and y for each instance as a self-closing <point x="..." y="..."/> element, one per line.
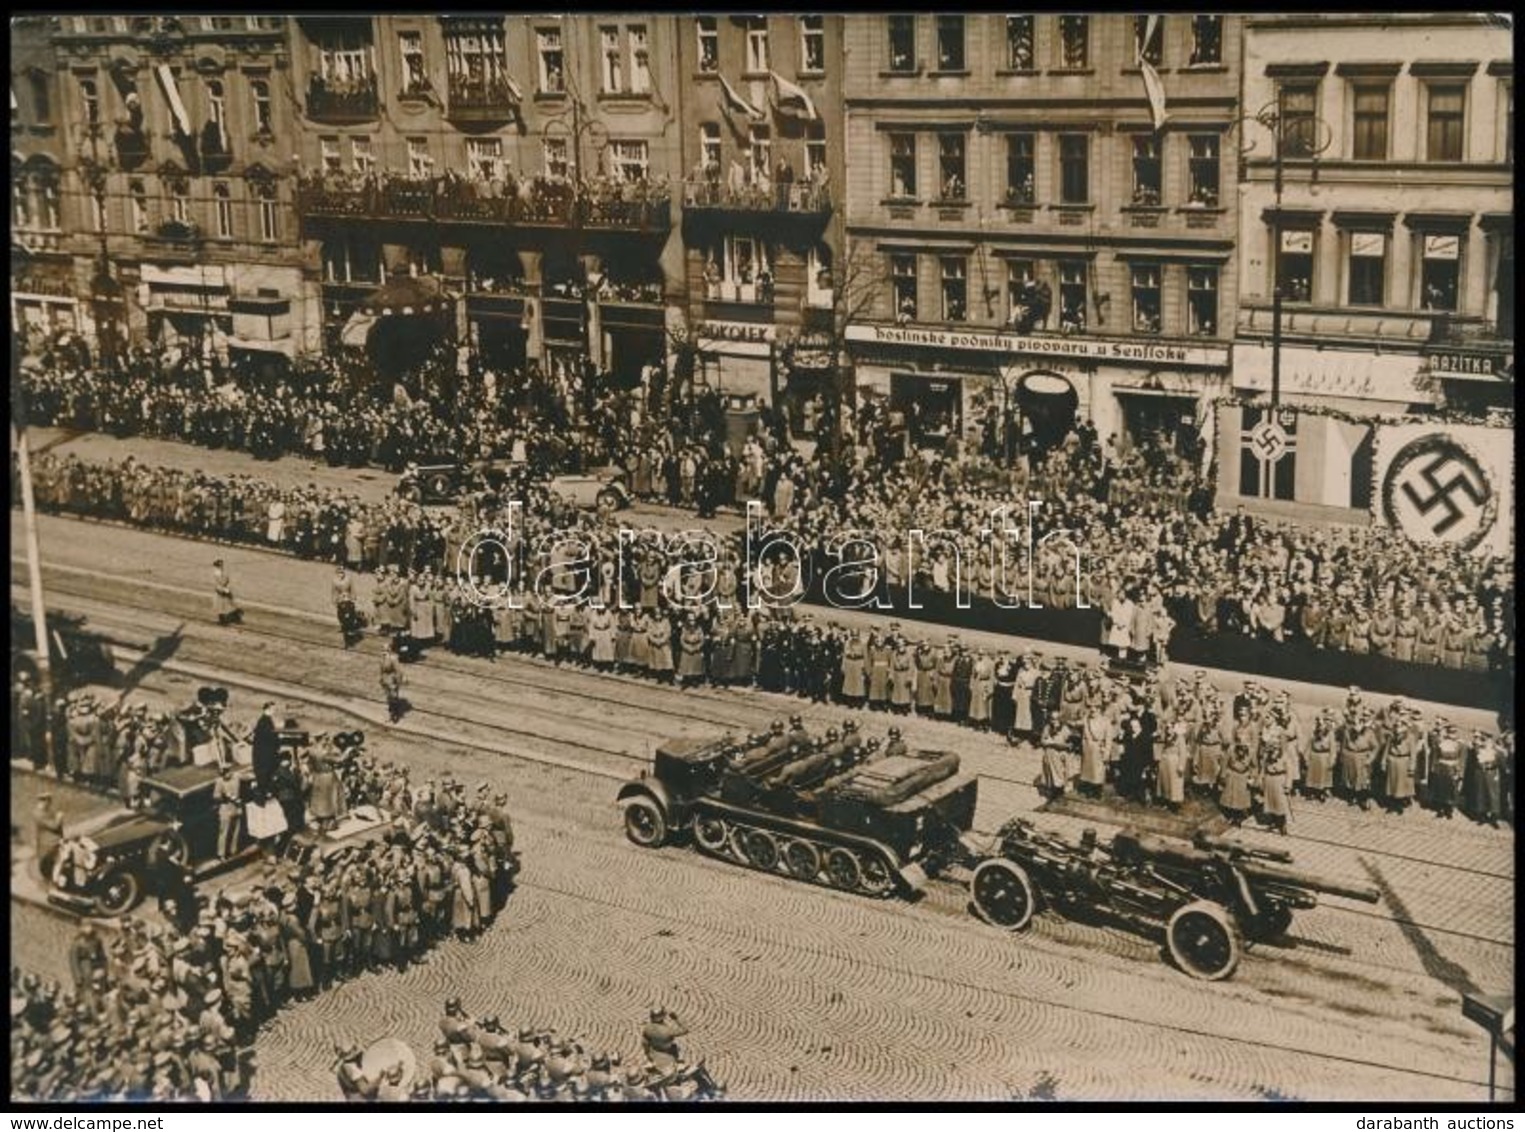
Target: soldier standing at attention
<point x="229" y="811"/>
<point x="391" y="683"/>
<point x="222" y="595"/>
<point x="344" y="604"/>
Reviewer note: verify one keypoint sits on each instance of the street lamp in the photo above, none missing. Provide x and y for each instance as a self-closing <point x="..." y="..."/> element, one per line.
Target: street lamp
<point x="1309" y="136"/>
<point x="104" y="289"/>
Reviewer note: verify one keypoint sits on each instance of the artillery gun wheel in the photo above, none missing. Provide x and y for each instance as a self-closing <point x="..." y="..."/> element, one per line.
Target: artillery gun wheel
<point x="645" y="824"/>
<point x="877" y="877"/>
<point x="760" y="849"/>
<point x="802" y="859"/>
<point x="1203" y="940"/>
<point x="711" y="833"/>
<point x="1003" y="894"/>
<point x="842" y="869"/>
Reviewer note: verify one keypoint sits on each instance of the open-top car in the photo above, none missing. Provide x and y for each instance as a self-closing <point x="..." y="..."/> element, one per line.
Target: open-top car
<point x="600" y="487"/>
<point x="445" y="480"/>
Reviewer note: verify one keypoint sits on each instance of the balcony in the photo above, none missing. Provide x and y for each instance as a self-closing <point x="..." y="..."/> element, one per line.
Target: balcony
<point x="342" y="102"/>
<point x="1467" y="330"/>
<point x="640" y="206"/>
<point x="800" y="198"/>
<point x="481" y="100"/>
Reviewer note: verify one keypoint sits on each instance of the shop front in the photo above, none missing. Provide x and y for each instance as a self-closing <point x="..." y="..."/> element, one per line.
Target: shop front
<point x="1473" y="377"/>
<point x="808" y="388"/>
<point x="737" y="358"/>
<point x="634" y="336"/>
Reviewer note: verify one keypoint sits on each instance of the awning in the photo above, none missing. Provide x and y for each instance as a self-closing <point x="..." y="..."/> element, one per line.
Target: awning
<point x="264" y="345"/>
<point x="407" y="294"/>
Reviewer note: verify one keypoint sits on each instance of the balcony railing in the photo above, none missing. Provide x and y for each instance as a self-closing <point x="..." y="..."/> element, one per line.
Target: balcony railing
<point x="797" y="197"/>
<point x="481" y="99"/>
<point x="623" y="206"/>
<point x="347" y="102"/>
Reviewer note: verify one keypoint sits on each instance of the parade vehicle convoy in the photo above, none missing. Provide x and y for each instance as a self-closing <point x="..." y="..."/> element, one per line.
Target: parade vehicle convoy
<point x="878" y="825"/>
<point x="445" y="481"/>
<point x="1209" y="895"/>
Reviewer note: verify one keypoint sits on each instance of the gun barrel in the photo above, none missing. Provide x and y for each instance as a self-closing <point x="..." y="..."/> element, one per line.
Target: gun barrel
<point x="1296" y="878"/>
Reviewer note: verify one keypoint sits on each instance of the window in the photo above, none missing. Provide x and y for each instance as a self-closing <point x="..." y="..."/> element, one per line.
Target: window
<point x="903" y="285"/>
<point x="1439" y="271"/>
<point x="90" y="96"/>
<point x="1202" y="301"/>
<point x="558" y="165"/>
<point x="410" y="45"/>
<point x="815" y="152"/>
<point x="757" y="44"/>
<point x="1019" y="43"/>
<point x="745" y="260"/>
<point x="1149" y="39"/>
<point x="812" y="43"/>
<point x="640" y="59"/>
<point x="1072" y="295"/>
<point x="98" y="211"/>
<point x="629" y="160"/>
<point x="1447" y="110"/>
<point x="709" y="44"/>
<point x="42" y="98"/>
<point x="1369" y="123"/>
<point x="1074" y="173"/>
<point x="476" y="64"/>
<point x="955" y="289"/>
<point x="263" y="122"/>
<point x="709" y="150"/>
<point x="21" y="204"/>
<point x="613" y="76"/>
<point x="48" y="201"/>
<point x="419" y="161"/>
<point x="1206" y="41"/>
<point x="1021" y="278"/>
<point x="552" y="75"/>
<point x="1294" y="265"/>
<point x="950" y="43"/>
<point x="1145" y="279"/>
<point x="903" y="166"/>
<point x="328" y="153"/>
<point x="362" y="158"/>
<point x="1506" y="102"/>
<point x="759" y="149"/>
<point x="1203" y="170"/>
<point x="269" y="217"/>
<point x="1146" y="172"/>
<point x="950" y="163"/>
<point x="1299" y="112"/>
<point x="1021" y="185"/>
<point x="344" y="55"/>
<point x="137" y="206"/>
<point x="484" y="158"/>
<point x="180" y="204"/>
<point x="1368" y="269"/>
<point x="217" y="111"/>
<point x="902" y="43"/>
<point x="1074" y="42"/>
<point x="222" y="200"/>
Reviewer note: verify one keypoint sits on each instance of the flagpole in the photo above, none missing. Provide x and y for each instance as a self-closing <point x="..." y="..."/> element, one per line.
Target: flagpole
<point x="19" y="433"/>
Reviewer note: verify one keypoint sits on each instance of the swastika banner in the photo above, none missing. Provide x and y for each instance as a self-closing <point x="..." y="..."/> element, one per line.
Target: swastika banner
<point x="1446" y="483"/>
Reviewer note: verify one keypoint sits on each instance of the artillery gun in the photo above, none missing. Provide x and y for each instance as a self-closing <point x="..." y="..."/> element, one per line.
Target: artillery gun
<point x="827" y="812"/>
<point x="1209" y="895"/>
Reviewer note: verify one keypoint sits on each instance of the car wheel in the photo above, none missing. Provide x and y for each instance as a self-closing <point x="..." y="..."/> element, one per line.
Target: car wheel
<point x="440" y="485"/>
<point x="168" y="848"/>
<point x="609" y="499"/>
<point x="645" y="824"/>
<point x="119" y="893"/>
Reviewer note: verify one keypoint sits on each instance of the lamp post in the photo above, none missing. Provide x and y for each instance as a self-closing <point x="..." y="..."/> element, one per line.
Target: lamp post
<point x="103" y="288"/>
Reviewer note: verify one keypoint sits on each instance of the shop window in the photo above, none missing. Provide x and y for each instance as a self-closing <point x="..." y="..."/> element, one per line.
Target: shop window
<point x="329" y="155"/>
<point x="1074" y="42"/>
<point x="484" y="158"/>
<point x="552" y="65"/>
<point x="1146" y="298"/>
<point x="757" y="45"/>
<point x="1021" y="182"/>
<point x="1439" y="272"/>
<point x="950" y="163"/>
<point x="903" y="284"/>
<point x="1298" y="103"/>
<point x="1202" y="300"/>
<point x="902" y="32"/>
<point x="410" y="45"/>
<point x="1206" y="41"/>
<point x="1074" y="169"/>
<point x="1367" y="269"/>
<point x="812" y="43"/>
<point x="1369" y="122"/>
<point x="1294" y="265"/>
<point x="950" y="43"/>
<point x="1019" y="43"/>
<point x="1146" y="172"/>
<point x="222" y="201"/>
<point x="955" y="289"/>
<point x="1149" y="39"/>
<point x="708" y="30"/>
<point x="1446" y="108"/>
<point x="1073" y="292"/>
<point x="903" y="166"/>
<point x="1204" y="170"/>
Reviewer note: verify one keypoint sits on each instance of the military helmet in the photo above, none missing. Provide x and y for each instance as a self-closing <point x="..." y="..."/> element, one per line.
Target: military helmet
<point x="894" y="733"/>
<point x="777" y="727"/>
<point x="850" y="726"/>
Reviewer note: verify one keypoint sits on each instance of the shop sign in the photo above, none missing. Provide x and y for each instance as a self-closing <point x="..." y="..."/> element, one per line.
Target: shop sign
<point x="1448" y="364"/>
<point x="748" y="339"/>
<point x="1057" y="346"/>
<point x="1358" y="374"/>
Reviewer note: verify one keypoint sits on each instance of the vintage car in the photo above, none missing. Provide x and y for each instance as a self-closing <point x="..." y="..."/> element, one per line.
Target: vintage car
<point x="445" y="480"/>
<point x="602" y="487"/>
<point x="77" y="654"/>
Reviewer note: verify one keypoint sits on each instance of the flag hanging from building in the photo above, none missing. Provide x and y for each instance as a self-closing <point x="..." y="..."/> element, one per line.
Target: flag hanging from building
<point x="792" y="100"/>
<point x="357" y="330"/>
<point x="172" y="96"/>
<point x="734" y="101"/>
<point x="513" y="88"/>
<point x="1154" y="89"/>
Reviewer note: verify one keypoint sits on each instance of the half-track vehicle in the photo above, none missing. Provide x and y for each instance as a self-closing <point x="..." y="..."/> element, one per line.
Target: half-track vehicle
<point x="1209" y="895"/>
<point x="826" y="812"/>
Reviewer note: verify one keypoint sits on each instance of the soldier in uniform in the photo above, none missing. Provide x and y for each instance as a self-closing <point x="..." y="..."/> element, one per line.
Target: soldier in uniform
<point x="391" y="683"/>
<point x="1482" y="779"/>
<point x="353" y="1082"/>
<point x="659" y="1040"/>
<point x="1234" y="793"/>
<point x="1358" y="749"/>
<point x="1444" y="777"/>
<point x="344" y="606"/>
<point x="1319" y="778"/>
<point x="223" y="604"/>
<point x="228" y="795"/>
<point x="1275" y="800"/>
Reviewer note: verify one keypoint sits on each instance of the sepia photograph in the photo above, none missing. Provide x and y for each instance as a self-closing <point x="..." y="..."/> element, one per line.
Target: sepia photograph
<point x="703" y="559"/>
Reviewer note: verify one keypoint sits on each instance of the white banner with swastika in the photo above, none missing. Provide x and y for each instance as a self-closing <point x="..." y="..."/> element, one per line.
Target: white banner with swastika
<point x="1443" y="482"/>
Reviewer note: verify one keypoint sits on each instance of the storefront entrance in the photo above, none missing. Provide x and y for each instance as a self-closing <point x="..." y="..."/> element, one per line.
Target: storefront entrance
<point x="932" y="407"/>
<point x="1161" y="419"/>
<point x="1046" y="407"/>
